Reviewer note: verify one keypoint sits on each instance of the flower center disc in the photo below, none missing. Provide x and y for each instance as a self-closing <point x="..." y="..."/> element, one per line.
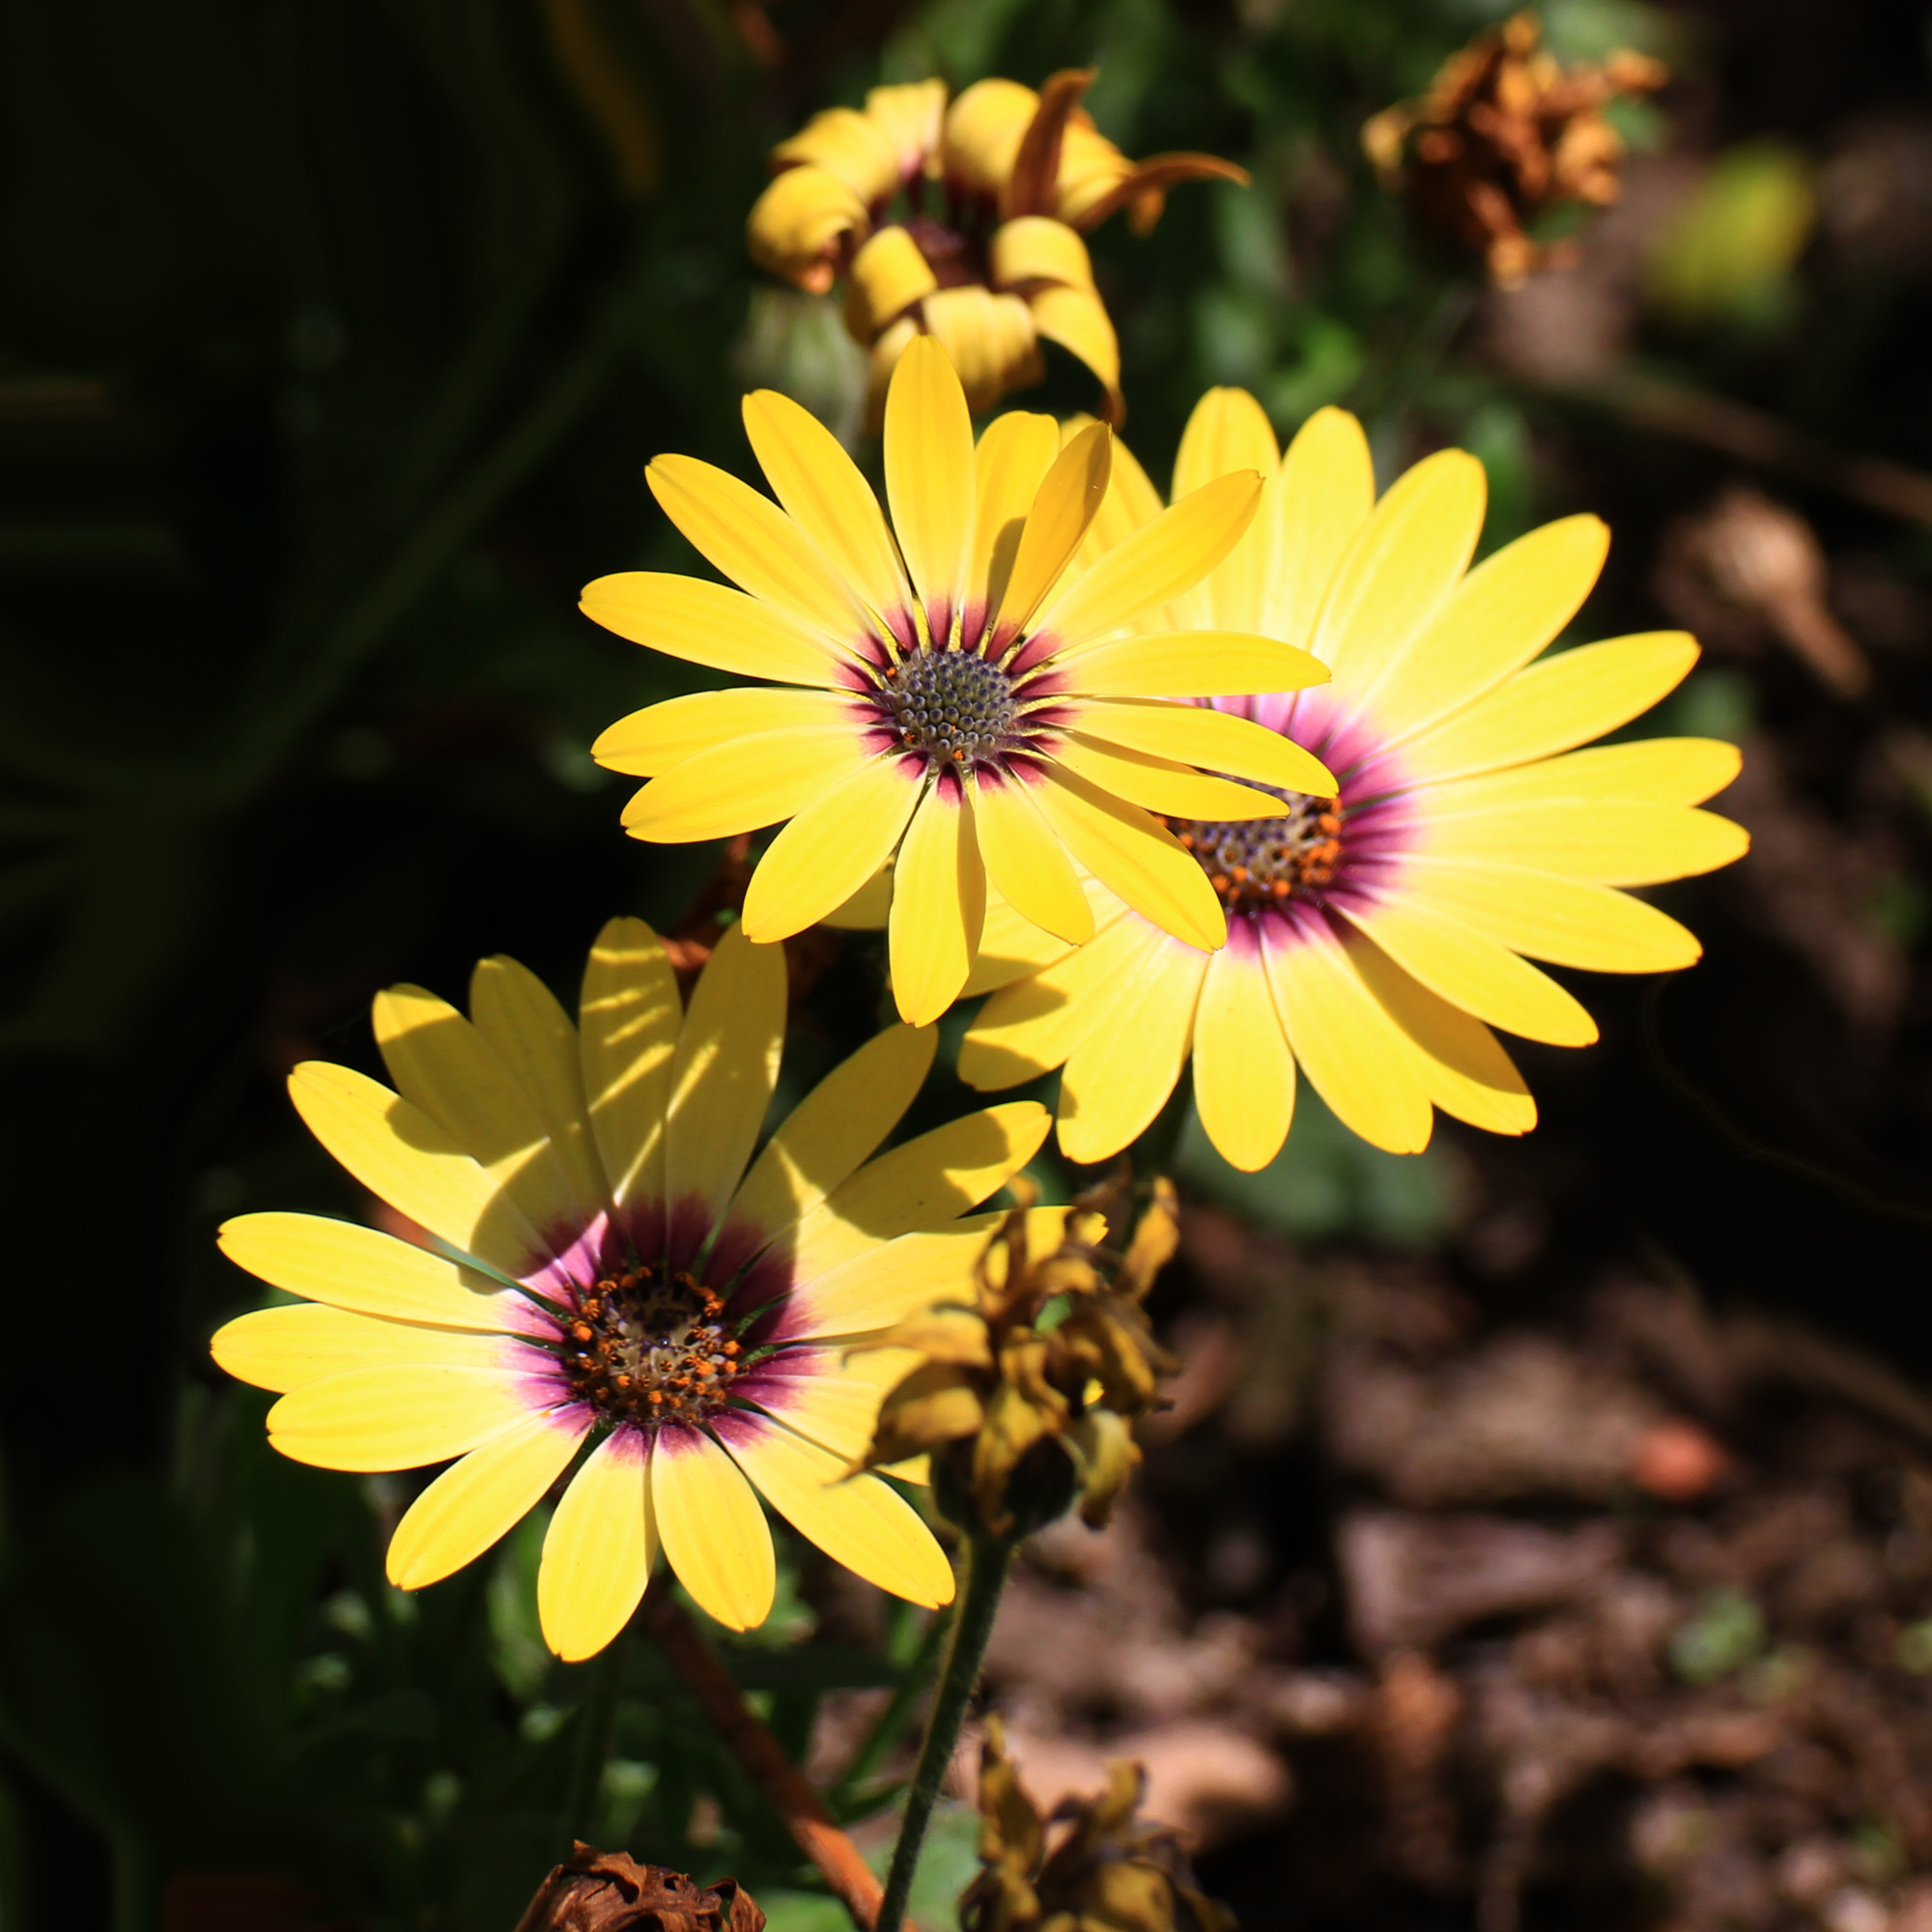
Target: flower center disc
<point x="1254" y="863"/>
<point x="952" y="705"/>
<point x="646" y="1348"/>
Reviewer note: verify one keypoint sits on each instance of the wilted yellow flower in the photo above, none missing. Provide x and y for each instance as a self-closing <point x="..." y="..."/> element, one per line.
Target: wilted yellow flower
<point x="963" y="224"/>
<point x="1105" y="1871"/>
<point x="1002" y="1378"/>
<point x="1502" y="135"/>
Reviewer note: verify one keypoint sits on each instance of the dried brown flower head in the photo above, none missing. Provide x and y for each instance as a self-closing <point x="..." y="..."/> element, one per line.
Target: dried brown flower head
<point x="1504" y="135"/>
<point x="1091" y="1866"/>
<point x="1032" y="1389"/>
<point x="610" y="1892"/>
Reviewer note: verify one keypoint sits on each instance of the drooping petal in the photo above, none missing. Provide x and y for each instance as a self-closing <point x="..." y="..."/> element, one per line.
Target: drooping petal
<point x="856" y="1520"/>
<point x="281" y="1349"/>
<point x="747" y="538"/>
<point x="1187" y="663"/>
<point x="398" y="1417"/>
<point x="1015" y="453"/>
<point x="988" y="338"/>
<point x="1118" y="1077"/>
<point x="1493" y="623"/>
<point x="1064" y="507"/>
<point x="1153" y="565"/>
<point x="479" y="1498"/>
<point x="939" y="903"/>
<point x="1469" y="970"/>
<point x="714" y="1533"/>
<point x="368" y="1272"/>
<point x="1217" y="740"/>
<point x="851" y="147"/>
<point x="1356" y="1056"/>
<point x="663" y="735"/>
<point x="797" y="224"/>
<point x="1228" y="431"/>
<point x="887" y="277"/>
<point x="831" y="849"/>
<point x="1635" y="844"/>
<point x="406" y="1158"/>
<point x="598" y="1550"/>
<point x="1404" y="560"/>
<point x="822" y="492"/>
<point x="1564" y="700"/>
<point x="723" y="1072"/>
<point x="1314" y="507"/>
<point x="1136" y="857"/>
<point x="1077" y="319"/>
<point x="1243" y="1072"/>
<point x="1026" y="863"/>
<point x="929" y="479"/>
<point x="1036" y="249"/>
<point x="838" y="1124"/>
<point x="745" y="783"/>
<point x="1567" y="922"/>
<point x="1158" y="785"/>
<point x="712" y="624"/>
<point x="628" y="1019"/>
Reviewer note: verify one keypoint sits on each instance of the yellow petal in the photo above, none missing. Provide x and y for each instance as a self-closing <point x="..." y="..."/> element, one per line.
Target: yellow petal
<point x="1131" y="502"/>
<point x="1633" y="844"/>
<point x="1404" y="560"/>
<point x="714" y="1532"/>
<point x="988" y="338"/>
<point x="1493" y="623"/>
<point x="1159" y="784"/>
<point x="888" y="276"/>
<point x="1217" y="740"/>
<point x="598" y="1550"/>
<point x="1466" y="1071"/>
<point x="744" y="784"/>
<point x="1568" y="921"/>
<point x="479" y="1498"/>
<point x="923" y="1183"/>
<point x="849" y="146"/>
<point x="1658" y="770"/>
<point x="1134" y="857"/>
<point x="404" y="1157"/>
<point x="823" y="493"/>
<point x="1243" y="1072"/>
<point x="831" y="849"/>
<point x="1077" y="319"/>
<point x="870" y="906"/>
<point x="1469" y="970"/>
<point x="629" y="1015"/>
<point x="1564" y="700"/>
<point x="1153" y="565"/>
<point x="654" y="740"/>
<point x="370" y="1273"/>
<point x="1310" y="512"/>
<point x="835" y="1127"/>
<point x="1187" y="663"/>
<point x="441" y="1064"/>
<point x="281" y="1349"/>
<point x="1030" y="1027"/>
<point x="861" y="1522"/>
<point x="752" y="541"/>
<point x="1066" y="505"/>
<point x="939" y="902"/>
<point x="983" y="133"/>
<point x="1359" y="1061"/>
<point x="833" y="1398"/>
<point x="910" y="116"/>
<point x="893" y="1280"/>
<point x="723" y="1072"/>
<point x="1118" y="1077"/>
<point x="1036" y="249"/>
<point x="1229" y="430"/>
<point x="797" y="223"/>
<point x="1011" y="947"/>
<point x="712" y="624"/>
<point x="523" y="1023"/>
<point x="397" y="1417"/>
<point x="1027" y="864"/>
<point x="1015" y="453"/>
<point x="929" y="479"/>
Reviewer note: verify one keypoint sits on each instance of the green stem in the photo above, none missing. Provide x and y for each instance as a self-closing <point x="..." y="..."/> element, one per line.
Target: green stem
<point x="891" y="1721"/>
<point x="598" y="1718"/>
<point x="987" y="1559"/>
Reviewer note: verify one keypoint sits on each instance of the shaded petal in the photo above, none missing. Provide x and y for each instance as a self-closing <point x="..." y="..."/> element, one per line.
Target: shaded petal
<point x="1015" y="453"/>
<point x="929" y="479"/>
<point x="654" y="740"/>
<point x="281" y="1349"/>
<point x="1118" y="1077"/>
<point x="1187" y="663"/>
<point x="1077" y="319"/>
<point x="831" y="849"/>
<point x="939" y="903"/>
<point x="1066" y="505"/>
<point x="479" y="1498"/>
<point x="1027" y="866"/>
<point x="1228" y="431"/>
<point x="745" y="782"/>
<point x="711" y="624"/>
<point x="1243" y="1072"/>
<point x="1217" y="740"/>
<point x="715" y="1535"/>
<point x="1313" y="509"/>
<point x="629" y="1017"/>
<point x="399" y="1417"/>
<point x="1011" y="947"/>
<point x="1568" y="921"/>
<point x="598" y="1550"/>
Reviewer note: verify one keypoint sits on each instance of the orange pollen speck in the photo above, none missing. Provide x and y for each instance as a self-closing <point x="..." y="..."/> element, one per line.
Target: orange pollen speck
<point x="650" y="1348"/>
<point x="1259" y="861"/>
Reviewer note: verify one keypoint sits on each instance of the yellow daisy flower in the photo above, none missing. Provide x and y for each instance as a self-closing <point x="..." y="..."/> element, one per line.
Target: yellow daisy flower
<point x="1377" y="928"/>
<point x="967" y="709"/>
<point x="607" y="1273"/>
<point x="988" y="256"/>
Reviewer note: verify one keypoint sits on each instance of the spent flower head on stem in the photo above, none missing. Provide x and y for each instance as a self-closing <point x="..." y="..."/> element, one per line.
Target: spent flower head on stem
<point x="1028" y="1394"/>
